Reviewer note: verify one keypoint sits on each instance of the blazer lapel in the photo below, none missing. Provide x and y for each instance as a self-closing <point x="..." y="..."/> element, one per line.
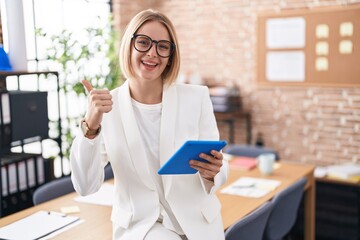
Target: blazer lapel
<point x="133" y="137"/>
<point x="167" y="130"/>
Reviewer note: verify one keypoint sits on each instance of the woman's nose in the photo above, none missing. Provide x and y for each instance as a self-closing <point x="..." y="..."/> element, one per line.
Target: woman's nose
<point x="152" y="50"/>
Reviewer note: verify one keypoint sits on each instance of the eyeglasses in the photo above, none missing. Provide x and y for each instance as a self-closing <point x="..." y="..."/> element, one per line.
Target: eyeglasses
<point x="143" y="43"/>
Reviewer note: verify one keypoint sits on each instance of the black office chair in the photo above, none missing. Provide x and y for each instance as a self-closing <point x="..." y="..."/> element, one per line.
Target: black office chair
<point x="283" y="216"/>
<point x="108" y="172"/>
<point x="252" y="226"/>
<point x="53" y="189"/>
<point x="249" y="150"/>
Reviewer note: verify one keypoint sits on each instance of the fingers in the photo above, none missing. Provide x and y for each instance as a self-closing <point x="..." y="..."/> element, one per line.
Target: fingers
<point x="208" y="170"/>
<point x="99" y="102"/>
<point x="87" y="85"/>
<point x="99" y="99"/>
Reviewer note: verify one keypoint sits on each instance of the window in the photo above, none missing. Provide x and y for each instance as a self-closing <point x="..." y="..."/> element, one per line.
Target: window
<point x="53" y="17"/>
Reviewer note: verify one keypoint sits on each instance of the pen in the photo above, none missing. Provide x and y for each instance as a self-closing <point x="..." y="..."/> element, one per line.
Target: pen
<point x="244" y="186"/>
<point x="56" y="213"/>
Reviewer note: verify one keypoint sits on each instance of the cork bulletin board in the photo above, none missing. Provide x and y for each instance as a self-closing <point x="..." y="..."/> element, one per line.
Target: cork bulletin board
<point x="310" y="47"/>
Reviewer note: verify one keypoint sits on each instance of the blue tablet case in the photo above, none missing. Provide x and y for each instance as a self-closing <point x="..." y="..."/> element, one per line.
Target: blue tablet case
<point x="190" y="150"/>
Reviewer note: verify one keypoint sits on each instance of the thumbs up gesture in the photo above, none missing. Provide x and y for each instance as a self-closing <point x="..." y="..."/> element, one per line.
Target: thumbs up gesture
<point x="99" y="102"/>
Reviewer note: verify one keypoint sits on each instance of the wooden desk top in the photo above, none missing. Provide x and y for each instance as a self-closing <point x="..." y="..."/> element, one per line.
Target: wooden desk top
<point x="97" y="224"/>
<point x="236" y="207"/>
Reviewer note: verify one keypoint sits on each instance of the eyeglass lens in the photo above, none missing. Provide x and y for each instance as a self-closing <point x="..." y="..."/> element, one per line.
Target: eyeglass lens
<point x="143" y="43"/>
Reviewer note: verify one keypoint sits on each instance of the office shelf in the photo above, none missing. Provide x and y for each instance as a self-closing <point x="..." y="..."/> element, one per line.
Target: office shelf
<point x="24" y="168"/>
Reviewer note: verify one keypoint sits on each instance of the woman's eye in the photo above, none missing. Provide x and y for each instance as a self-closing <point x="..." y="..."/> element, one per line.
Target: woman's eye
<point x="143" y="42"/>
<point x="164" y="46"/>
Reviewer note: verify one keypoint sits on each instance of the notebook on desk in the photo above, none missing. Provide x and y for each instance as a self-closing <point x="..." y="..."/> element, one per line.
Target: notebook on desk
<point x="243" y="163"/>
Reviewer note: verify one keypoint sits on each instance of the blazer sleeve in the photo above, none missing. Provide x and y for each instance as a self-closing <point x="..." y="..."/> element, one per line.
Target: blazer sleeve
<point x="209" y="130"/>
<point x="87" y="164"/>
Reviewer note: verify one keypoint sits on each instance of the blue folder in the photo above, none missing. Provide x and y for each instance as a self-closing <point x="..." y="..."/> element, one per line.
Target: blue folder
<point x="4" y="60"/>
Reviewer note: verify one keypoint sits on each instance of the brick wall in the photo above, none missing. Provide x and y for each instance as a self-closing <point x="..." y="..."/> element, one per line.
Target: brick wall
<point x="218" y="42"/>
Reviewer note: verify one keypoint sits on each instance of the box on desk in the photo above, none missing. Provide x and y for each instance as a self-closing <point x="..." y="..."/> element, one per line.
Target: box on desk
<point x="20" y="175"/>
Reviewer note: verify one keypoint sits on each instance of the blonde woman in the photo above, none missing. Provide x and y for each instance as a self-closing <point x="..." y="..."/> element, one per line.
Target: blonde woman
<point x="141" y="124"/>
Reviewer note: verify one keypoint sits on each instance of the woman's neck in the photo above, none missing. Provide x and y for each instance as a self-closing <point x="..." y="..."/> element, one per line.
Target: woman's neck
<point x="147" y="93"/>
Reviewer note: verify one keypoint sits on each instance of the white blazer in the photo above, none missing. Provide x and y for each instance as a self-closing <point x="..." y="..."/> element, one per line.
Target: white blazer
<point x="187" y="114"/>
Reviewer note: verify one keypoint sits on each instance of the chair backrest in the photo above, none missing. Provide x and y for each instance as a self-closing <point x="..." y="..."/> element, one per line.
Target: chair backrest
<point x="252" y="226"/>
<point x="61" y="186"/>
<point x="53" y="189"/>
<point x="108" y="172"/>
<point x="249" y="150"/>
<point x="283" y="216"/>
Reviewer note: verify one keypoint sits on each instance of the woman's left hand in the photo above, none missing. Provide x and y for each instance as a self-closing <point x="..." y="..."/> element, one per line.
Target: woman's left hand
<point x="210" y="169"/>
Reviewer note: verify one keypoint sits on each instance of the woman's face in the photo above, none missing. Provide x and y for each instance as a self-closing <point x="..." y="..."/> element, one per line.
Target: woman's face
<point x="148" y="66"/>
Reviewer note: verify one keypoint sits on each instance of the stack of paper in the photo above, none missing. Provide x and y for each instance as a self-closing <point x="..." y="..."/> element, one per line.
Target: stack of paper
<point x="345" y="171"/>
<point x="251" y="187"/>
<point x="36" y="226"/>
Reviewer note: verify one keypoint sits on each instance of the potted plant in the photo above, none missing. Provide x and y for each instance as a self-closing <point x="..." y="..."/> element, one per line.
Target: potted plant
<point x="92" y="55"/>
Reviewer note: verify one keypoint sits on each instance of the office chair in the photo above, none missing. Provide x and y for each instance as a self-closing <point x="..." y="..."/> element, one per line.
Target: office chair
<point x="284" y="213"/>
<point x="53" y="189"/>
<point x="61" y="186"/>
<point x="249" y="150"/>
<point x="108" y="172"/>
<point x="252" y="226"/>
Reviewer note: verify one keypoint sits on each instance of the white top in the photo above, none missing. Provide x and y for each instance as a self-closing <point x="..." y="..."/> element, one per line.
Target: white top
<point x="148" y="117"/>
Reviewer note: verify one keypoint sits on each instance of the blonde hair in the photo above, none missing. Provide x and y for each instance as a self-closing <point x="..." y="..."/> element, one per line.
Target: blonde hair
<point x="171" y="71"/>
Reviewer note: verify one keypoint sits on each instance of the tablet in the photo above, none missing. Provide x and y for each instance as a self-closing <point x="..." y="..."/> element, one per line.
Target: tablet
<point x="190" y="150"/>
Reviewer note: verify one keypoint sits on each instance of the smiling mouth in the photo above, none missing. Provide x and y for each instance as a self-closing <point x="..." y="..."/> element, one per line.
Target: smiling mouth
<point x="149" y="64"/>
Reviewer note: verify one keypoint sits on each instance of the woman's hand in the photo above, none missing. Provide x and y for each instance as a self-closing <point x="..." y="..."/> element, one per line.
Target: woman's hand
<point x="210" y="169"/>
<point x="99" y="102"/>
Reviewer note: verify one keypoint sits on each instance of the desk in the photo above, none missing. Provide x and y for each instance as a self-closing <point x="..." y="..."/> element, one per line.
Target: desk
<point x="236" y="207"/>
<point x="337" y="209"/>
<point x="97" y="223"/>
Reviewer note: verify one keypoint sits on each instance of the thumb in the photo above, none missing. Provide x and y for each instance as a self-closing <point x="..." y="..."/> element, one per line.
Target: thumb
<point x="87" y="85"/>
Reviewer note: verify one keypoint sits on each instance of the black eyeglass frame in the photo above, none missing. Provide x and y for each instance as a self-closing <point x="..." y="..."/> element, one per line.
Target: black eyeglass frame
<point x="172" y="45"/>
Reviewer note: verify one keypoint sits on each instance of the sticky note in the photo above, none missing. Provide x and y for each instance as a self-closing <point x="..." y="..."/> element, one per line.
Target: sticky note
<point x="70" y="209"/>
<point x="322" y="48"/>
<point x="346" y="29"/>
<point x="322" y="64"/>
<point x="345" y="47"/>
<point x="322" y="31"/>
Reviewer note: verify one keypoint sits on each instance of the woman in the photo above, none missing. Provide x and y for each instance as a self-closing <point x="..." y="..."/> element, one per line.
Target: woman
<point x="141" y="124"/>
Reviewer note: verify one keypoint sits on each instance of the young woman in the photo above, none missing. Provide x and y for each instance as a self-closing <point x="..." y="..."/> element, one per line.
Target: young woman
<point x="140" y="125"/>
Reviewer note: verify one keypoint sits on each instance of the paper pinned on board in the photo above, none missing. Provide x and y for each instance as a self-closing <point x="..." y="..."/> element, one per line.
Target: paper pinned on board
<point x="322" y="49"/>
<point x="345" y="47"/>
<point x="285" y="66"/>
<point x="322" y="64"/>
<point x="285" y="33"/>
<point x="346" y="29"/>
<point x="322" y="31"/>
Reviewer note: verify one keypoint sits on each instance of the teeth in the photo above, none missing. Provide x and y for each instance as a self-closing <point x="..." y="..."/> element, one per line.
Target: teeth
<point x="149" y="63"/>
